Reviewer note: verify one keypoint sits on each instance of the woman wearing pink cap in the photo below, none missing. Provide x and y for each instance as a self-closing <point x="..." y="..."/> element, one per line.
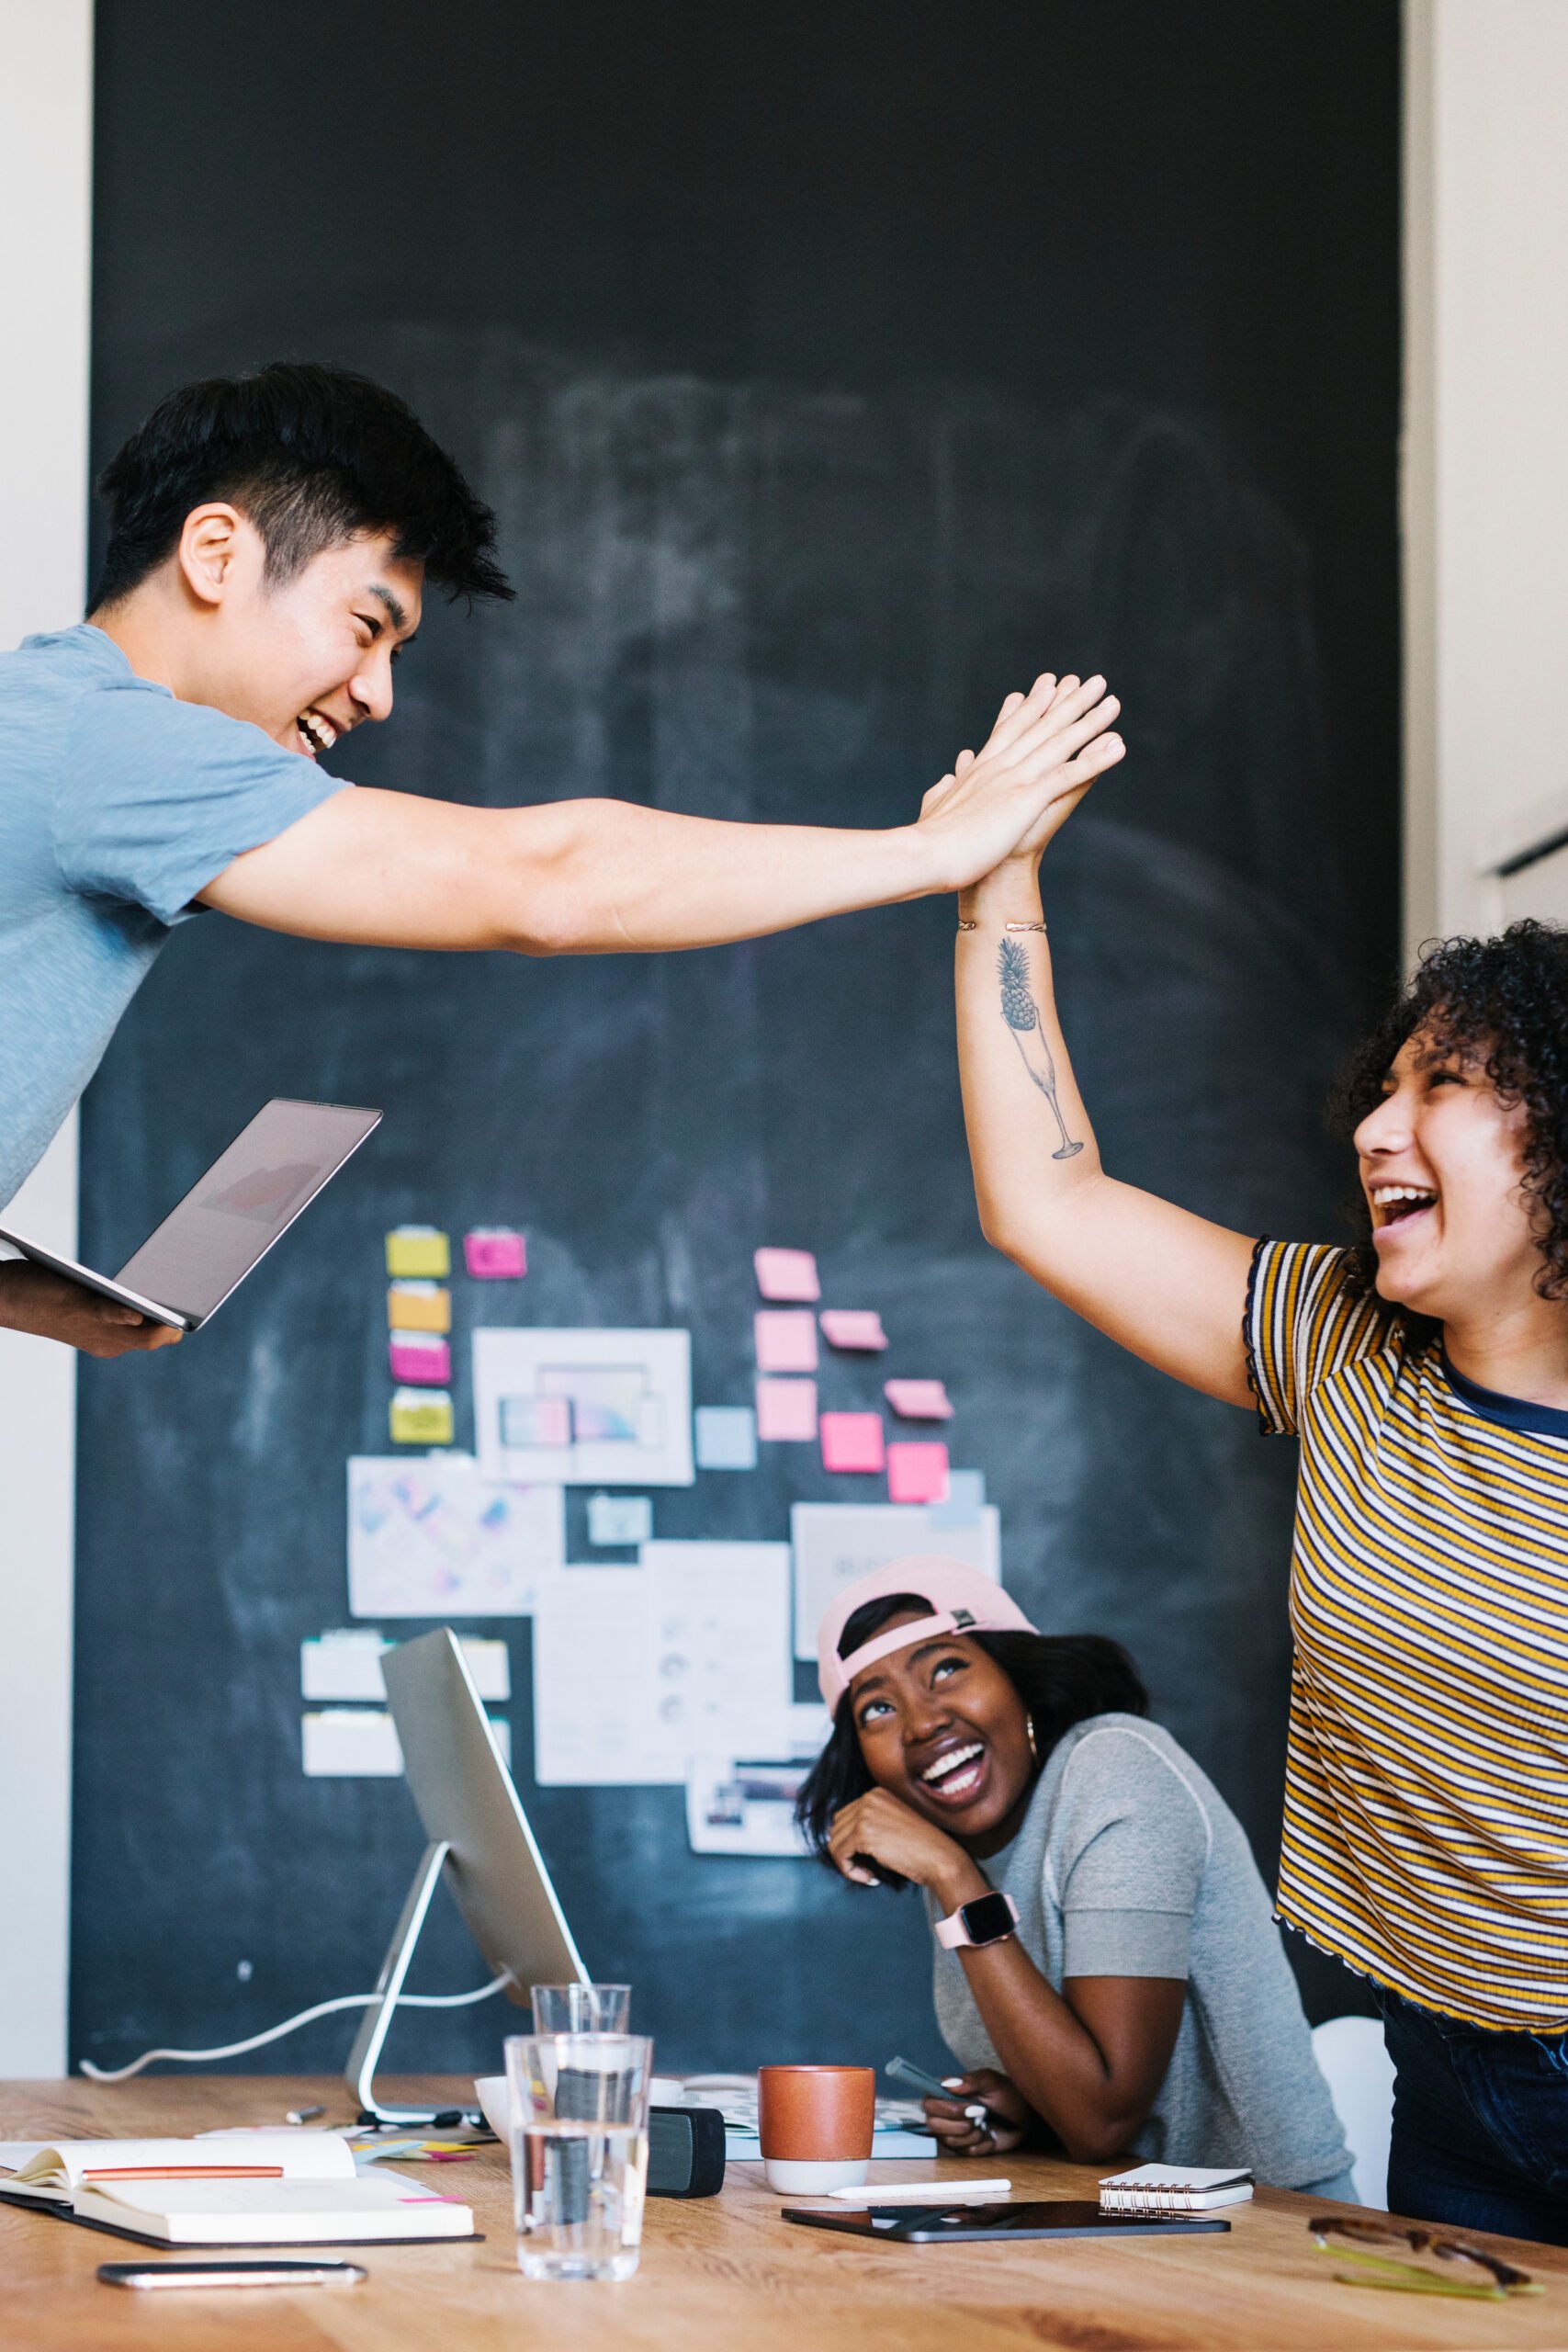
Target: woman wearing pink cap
<point x="1107" y="1970"/>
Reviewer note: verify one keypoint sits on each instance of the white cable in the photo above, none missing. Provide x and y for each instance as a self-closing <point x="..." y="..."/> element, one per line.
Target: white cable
<point x="306" y="2016"/>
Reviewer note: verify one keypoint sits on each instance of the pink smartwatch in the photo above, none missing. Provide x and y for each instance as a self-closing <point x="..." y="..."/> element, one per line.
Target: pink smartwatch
<point x="989" y="1919"/>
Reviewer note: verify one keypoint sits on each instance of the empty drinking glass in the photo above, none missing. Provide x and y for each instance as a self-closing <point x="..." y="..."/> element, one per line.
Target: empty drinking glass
<point x="581" y="2008"/>
<point x="579" y="2151"/>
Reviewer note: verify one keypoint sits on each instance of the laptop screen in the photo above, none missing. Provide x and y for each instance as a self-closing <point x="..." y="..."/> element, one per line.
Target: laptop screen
<point x="273" y="1168"/>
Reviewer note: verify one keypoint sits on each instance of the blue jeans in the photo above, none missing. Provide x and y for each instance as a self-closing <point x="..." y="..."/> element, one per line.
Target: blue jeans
<point x="1480" y="2125"/>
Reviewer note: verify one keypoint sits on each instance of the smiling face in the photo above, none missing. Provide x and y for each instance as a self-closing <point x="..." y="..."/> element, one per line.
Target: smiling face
<point x="942" y="1727"/>
<point x="306" y="659"/>
<point x="1441" y="1163"/>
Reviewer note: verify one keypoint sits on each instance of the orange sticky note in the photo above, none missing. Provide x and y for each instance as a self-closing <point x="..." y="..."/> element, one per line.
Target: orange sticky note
<point x="419" y="1307"/>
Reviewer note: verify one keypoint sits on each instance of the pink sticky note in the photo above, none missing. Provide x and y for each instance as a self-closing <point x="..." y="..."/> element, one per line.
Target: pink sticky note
<point x="918" y="1400"/>
<point x="787" y="1274"/>
<point x="494" y="1253"/>
<point x="786" y="1339"/>
<point x="420" y="1359"/>
<point x="852" y="1326"/>
<point x="786" y="1409"/>
<point x="917" y="1473"/>
<point x="851" y="1441"/>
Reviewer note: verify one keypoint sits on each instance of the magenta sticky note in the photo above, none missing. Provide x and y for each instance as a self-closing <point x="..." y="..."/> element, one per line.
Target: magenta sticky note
<point x="918" y="1400"/>
<point x="494" y="1253"/>
<point x="852" y="1326"/>
<point x="786" y="1338"/>
<point x="917" y="1472"/>
<point x="787" y="1409"/>
<point x="851" y="1441"/>
<point x="420" y="1359"/>
<point x="787" y="1274"/>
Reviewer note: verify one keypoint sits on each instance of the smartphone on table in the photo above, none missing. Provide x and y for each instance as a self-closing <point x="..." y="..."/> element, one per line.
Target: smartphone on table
<point x="258" y="2273"/>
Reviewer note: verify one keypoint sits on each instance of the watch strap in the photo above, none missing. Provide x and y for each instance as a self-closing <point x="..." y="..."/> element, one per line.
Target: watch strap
<point x="954" y="1932"/>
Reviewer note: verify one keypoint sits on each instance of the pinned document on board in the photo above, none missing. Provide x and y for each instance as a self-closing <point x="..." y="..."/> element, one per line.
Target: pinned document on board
<point x="786" y="1410"/>
<point x="636" y="1669"/>
<point x="785" y="1339"/>
<point x="361" y="1744"/>
<point x="584" y="1407"/>
<point x="421" y="1358"/>
<point x="787" y="1275"/>
<point x="620" y="1519"/>
<point x="434" y="1539"/>
<point x="495" y="1253"/>
<point x="834" y="1544"/>
<point x="418" y="1307"/>
<point x="418" y="1251"/>
<point x="726" y="1437"/>
<point x="966" y="1499"/>
<point x="345" y="1664"/>
<point x="745" y="1805"/>
<point x="419" y="1417"/>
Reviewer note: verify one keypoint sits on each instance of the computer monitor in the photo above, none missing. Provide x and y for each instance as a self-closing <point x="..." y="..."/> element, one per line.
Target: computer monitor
<point x="481" y="1842"/>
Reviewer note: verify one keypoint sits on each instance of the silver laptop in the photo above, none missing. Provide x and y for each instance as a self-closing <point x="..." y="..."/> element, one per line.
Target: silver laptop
<point x="479" y="1842"/>
<point x="228" y="1222"/>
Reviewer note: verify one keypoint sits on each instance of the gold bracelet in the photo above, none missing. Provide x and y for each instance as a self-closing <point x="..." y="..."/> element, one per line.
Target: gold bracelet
<point x="1023" y="926"/>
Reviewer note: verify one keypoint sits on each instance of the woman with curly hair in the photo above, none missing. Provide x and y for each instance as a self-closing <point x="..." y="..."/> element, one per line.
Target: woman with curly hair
<point x="1425" y="1373"/>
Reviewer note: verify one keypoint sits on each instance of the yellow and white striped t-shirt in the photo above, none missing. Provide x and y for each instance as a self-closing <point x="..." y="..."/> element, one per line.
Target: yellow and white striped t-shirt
<point x="1426" y="1790"/>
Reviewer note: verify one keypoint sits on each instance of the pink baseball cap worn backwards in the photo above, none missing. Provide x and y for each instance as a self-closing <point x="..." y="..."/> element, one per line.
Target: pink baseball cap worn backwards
<point x="963" y="1600"/>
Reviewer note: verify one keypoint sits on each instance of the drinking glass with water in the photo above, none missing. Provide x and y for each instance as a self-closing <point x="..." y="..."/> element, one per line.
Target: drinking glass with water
<point x="579" y="2151"/>
<point x="581" y="2008"/>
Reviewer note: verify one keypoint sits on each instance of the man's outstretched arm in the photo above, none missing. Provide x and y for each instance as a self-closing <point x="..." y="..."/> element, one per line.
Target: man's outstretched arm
<point x="607" y="876"/>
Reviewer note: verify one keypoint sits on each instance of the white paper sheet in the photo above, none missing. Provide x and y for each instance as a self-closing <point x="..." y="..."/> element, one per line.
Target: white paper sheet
<point x="835" y="1542"/>
<point x="361" y="1743"/>
<point x="745" y="1805"/>
<point x="347" y="1664"/>
<point x="429" y="1537"/>
<point x="629" y="1394"/>
<point x="637" y="1670"/>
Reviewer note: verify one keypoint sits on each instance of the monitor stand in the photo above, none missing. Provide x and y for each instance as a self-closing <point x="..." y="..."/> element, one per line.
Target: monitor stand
<point x="379" y="2010"/>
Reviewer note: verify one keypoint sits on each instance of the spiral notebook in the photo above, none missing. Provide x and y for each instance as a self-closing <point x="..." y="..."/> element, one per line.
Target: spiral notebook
<point x="1174" y="2189"/>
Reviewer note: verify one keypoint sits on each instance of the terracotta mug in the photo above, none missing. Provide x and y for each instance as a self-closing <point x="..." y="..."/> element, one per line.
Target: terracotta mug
<point x="816" y="2124"/>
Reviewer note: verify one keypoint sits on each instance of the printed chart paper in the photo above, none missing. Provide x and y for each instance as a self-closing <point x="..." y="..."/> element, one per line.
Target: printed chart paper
<point x="746" y="1804"/>
<point x="835" y="1542"/>
<point x="637" y="1670"/>
<point x="584" y="1407"/>
<point x="432" y="1538"/>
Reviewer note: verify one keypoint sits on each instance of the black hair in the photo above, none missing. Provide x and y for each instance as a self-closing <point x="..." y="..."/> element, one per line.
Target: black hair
<point x="1500" y="1004"/>
<point x="1062" y="1678"/>
<point x="313" y="456"/>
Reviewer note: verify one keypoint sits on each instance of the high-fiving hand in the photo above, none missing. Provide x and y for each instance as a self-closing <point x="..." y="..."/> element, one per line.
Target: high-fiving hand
<point x="1006" y="801"/>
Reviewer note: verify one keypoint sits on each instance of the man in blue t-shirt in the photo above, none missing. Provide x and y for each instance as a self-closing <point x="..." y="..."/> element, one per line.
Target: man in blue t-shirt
<point x="271" y="538"/>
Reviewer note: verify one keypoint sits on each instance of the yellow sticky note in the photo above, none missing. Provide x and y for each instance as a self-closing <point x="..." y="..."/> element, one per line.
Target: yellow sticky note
<point x="418" y="1250"/>
<point x="420" y="1417"/>
<point x="419" y="1307"/>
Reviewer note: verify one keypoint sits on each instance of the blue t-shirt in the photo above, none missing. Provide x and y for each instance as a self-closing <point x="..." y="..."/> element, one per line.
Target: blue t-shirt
<point x="118" y="803"/>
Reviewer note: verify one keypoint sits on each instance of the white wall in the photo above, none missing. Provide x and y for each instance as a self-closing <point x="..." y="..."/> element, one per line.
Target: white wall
<point x="46" y="83"/>
<point x="1485" y="461"/>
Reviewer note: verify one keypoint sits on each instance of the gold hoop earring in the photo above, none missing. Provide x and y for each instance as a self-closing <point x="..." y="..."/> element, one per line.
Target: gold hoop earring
<point x="1028" y="1726"/>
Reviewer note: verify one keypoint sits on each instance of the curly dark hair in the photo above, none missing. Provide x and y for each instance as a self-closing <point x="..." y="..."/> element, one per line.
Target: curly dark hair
<point x="1062" y="1678"/>
<point x="1501" y="1005"/>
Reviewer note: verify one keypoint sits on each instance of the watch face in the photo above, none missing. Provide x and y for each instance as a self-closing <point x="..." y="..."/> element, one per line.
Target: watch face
<point x="988" y="1918"/>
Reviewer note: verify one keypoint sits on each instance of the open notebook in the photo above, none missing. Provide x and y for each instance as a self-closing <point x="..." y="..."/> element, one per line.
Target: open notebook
<point x="267" y="2189"/>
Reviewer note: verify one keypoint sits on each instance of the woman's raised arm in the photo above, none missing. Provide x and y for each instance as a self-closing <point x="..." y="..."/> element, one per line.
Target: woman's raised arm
<point x="1169" y="1286"/>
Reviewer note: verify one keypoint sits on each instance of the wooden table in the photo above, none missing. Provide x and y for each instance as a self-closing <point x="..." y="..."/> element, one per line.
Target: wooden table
<point x="718" y="2275"/>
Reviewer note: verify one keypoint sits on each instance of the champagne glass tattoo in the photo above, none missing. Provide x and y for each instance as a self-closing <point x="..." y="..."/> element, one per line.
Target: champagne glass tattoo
<point x="1022" y="1017"/>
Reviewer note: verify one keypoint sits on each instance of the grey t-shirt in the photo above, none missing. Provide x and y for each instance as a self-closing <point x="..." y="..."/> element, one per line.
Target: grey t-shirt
<point x="118" y="803"/>
<point x="1130" y="1863"/>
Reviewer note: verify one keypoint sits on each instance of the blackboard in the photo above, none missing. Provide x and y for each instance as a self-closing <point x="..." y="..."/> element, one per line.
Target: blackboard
<point x="746" y="588"/>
